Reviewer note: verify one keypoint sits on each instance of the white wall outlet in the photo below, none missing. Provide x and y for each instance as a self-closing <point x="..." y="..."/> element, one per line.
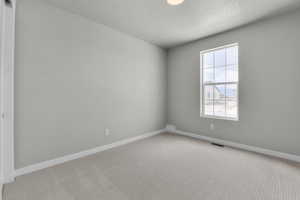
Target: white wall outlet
<point x="107" y="132"/>
<point x="212" y="127"/>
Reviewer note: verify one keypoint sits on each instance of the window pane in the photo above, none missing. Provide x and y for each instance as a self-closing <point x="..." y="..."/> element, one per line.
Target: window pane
<point x="208" y="75"/>
<point x="220" y="74"/>
<point x="209" y="108"/>
<point x="232" y="55"/>
<point x="209" y="92"/>
<point x="219" y="100"/>
<point x="208" y="59"/>
<point x="219" y="92"/>
<point x="220" y="57"/>
<point x="231" y="92"/>
<point x="231" y="109"/>
<point x="231" y="73"/>
<point x="231" y="100"/>
<point x="219" y="108"/>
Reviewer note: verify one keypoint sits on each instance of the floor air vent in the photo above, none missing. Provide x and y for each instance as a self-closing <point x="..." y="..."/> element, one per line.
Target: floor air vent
<point x="216" y="144"/>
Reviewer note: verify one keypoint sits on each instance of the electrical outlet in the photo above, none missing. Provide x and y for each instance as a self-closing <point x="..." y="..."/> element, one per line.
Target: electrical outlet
<point x="212" y="127"/>
<point x="107" y="132"/>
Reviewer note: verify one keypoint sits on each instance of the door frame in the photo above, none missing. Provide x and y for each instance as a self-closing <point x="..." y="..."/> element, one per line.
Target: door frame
<point x="7" y="49"/>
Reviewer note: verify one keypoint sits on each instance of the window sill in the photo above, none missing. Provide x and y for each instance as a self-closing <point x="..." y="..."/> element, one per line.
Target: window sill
<point x="220" y="118"/>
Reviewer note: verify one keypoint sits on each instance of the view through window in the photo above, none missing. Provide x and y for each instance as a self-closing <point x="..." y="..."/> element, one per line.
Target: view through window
<point x="219" y="82"/>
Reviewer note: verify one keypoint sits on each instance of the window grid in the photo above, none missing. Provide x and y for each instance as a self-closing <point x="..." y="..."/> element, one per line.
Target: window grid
<point x="225" y="84"/>
<point x="228" y="98"/>
<point x="213" y="100"/>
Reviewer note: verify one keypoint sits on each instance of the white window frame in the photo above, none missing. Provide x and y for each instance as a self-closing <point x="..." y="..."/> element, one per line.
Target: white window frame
<point x="202" y="107"/>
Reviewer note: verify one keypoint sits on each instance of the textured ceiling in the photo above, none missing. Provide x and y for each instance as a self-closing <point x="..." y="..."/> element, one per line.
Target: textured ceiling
<point x="167" y="26"/>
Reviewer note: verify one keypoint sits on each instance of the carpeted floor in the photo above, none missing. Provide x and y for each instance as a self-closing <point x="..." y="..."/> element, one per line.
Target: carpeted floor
<point x="163" y="167"/>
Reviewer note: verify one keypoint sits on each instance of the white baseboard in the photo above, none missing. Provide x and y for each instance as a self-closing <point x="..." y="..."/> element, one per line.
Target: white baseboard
<point x="8" y="179"/>
<point x="259" y="150"/>
<point x="57" y="161"/>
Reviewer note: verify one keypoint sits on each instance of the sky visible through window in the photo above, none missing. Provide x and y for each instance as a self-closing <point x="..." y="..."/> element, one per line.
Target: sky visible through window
<point x="220" y="82"/>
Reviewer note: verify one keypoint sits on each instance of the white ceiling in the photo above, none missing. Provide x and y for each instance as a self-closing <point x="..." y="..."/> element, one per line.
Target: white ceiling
<point x="167" y="26"/>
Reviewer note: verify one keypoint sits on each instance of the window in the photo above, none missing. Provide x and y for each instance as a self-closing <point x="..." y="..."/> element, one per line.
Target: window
<point x="219" y="82"/>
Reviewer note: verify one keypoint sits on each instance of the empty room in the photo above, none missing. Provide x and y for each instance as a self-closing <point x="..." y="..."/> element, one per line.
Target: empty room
<point x="149" y="100"/>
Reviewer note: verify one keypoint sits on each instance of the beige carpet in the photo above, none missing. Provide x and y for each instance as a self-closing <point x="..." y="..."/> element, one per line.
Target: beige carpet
<point x="164" y="167"/>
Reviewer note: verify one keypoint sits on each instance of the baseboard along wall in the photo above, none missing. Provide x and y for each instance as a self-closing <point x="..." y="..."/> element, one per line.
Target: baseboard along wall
<point x="286" y="156"/>
<point x="61" y="160"/>
<point x="171" y="129"/>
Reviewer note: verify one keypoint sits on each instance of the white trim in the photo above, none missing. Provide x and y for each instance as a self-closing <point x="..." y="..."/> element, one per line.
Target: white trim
<point x="57" y="161"/>
<point x="259" y="150"/>
<point x="7" y="31"/>
<point x="220" y="47"/>
<point x="220" y="118"/>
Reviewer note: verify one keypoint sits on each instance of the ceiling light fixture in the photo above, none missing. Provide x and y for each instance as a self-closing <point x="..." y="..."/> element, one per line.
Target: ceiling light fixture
<point x="175" y="2"/>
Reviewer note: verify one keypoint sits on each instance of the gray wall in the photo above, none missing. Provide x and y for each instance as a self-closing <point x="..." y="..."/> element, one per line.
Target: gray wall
<point x="269" y="85"/>
<point x="74" y="78"/>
